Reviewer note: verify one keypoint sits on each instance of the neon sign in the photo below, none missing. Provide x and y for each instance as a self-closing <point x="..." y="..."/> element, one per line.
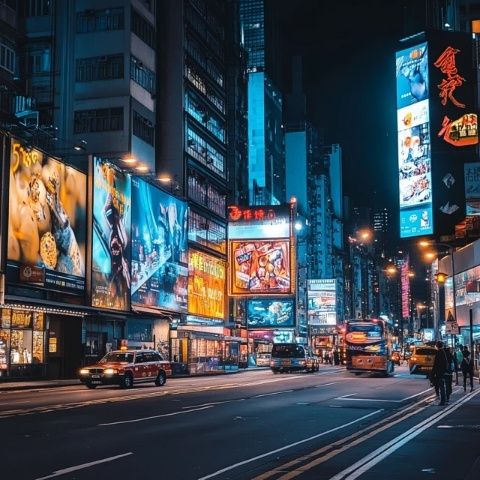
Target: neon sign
<point x="446" y="63"/>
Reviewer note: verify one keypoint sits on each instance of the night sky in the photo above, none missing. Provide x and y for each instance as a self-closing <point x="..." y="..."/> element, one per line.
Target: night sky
<point x="349" y="79"/>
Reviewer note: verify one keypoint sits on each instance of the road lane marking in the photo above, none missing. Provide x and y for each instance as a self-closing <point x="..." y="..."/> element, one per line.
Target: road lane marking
<point x="207" y="404"/>
<point x="345" y="397"/>
<point x="63" y="471"/>
<point x="416" y="395"/>
<point x="326" y="384"/>
<point x="370" y="460"/>
<point x="143" y="419"/>
<point x="270" y="394"/>
<point x="286" y="447"/>
<point x="329" y="451"/>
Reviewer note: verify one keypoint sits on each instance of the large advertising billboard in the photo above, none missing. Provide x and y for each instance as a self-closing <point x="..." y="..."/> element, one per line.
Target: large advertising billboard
<point x="472" y="188"/>
<point x="270" y="313"/>
<point x="111" y="237"/>
<point x="206" y="285"/>
<point x="413" y="140"/>
<point x="46" y="221"/>
<point x="322" y="301"/>
<point x="260" y="267"/>
<point x="159" y="248"/>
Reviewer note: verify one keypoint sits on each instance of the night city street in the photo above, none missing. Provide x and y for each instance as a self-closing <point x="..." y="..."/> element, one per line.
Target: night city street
<point x="251" y="425"/>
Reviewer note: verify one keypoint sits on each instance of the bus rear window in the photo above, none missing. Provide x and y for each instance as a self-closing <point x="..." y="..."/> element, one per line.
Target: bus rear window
<point x="287" y="351"/>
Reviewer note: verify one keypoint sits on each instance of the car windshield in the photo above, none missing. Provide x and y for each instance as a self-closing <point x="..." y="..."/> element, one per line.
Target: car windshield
<point x="370" y="329"/>
<point x="424" y="351"/>
<point x="126" y="357"/>
<point x="287" y="351"/>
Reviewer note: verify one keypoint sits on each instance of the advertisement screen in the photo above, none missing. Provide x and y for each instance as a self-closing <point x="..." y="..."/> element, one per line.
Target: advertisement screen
<point x="260" y="267"/>
<point x="270" y="313"/>
<point x="414" y="142"/>
<point x="111" y="237"/>
<point x="206" y="285"/>
<point x="46" y="222"/>
<point x="322" y="302"/>
<point x="472" y="188"/>
<point x="159" y="248"/>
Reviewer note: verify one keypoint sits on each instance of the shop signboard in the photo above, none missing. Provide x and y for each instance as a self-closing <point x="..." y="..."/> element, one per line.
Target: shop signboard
<point x="322" y="301"/>
<point x="269" y="312"/>
<point x="260" y="267"/>
<point x="111" y="237"/>
<point x="46" y="221"/>
<point x="206" y="285"/>
<point x="159" y="248"/>
<point x="405" y="287"/>
<point x="472" y="188"/>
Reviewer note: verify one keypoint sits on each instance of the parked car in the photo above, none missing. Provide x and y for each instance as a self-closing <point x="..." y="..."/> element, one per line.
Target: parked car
<point x="421" y="360"/>
<point x="288" y="357"/>
<point x="263" y="359"/>
<point x="126" y="368"/>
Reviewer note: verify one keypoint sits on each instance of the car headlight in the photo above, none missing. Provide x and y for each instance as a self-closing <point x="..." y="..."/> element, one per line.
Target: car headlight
<point x="302" y="362"/>
<point x="84" y="371"/>
<point x="110" y="371"/>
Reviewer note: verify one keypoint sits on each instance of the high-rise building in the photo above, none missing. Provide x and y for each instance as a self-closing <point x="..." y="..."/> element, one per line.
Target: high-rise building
<point x="381" y="220"/>
<point x="266" y="157"/>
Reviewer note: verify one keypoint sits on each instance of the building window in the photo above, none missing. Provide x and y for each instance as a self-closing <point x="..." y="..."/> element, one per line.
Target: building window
<point x="143" y="29"/>
<point x="100" y="120"/>
<point x="7" y="58"/>
<point x="201" y="114"/>
<point x="143" y="128"/>
<point x="205" y="194"/>
<point x="100" y="20"/>
<point x="142" y="75"/>
<point x="207" y="232"/>
<point x="204" y="152"/>
<point x="37" y="8"/>
<point x="109" y="67"/>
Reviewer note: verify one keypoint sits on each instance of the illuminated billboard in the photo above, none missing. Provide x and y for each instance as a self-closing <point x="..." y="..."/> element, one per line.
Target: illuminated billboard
<point x="472" y="188"/>
<point x="260" y="267"/>
<point x="322" y="301"/>
<point x="270" y="313"/>
<point x="414" y="143"/>
<point x="159" y="248"/>
<point x="111" y="237"/>
<point x="206" y="285"/>
<point x="271" y="221"/>
<point x="46" y="221"/>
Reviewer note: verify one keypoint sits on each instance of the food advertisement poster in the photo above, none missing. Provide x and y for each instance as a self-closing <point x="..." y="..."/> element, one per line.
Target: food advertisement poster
<point x="111" y="237"/>
<point x="46" y="221"/>
<point x="206" y="285"/>
<point x="270" y="313"/>
<point x="159" y="248"/>
<point x="322" y="301"/>
<point x="260" y="267"/>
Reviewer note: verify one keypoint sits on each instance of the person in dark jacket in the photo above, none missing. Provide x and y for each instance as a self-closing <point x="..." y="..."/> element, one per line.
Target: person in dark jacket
<point x="467" y="369"/>
<point x="439" y="371"/>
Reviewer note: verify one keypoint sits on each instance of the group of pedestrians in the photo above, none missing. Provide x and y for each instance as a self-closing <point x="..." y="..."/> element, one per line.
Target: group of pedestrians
<point x="447" y="364"/>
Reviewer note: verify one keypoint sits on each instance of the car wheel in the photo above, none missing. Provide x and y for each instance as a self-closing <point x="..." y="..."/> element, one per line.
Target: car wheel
<point x="127" y="381"/>
<point x="90" y="385"/>
<point x="161" y="379"/>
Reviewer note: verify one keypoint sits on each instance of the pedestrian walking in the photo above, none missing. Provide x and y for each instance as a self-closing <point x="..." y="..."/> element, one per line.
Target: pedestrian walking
<point x="439" y="370"/>
<point x="451" y="369"/>
<point x="467" y="369"/>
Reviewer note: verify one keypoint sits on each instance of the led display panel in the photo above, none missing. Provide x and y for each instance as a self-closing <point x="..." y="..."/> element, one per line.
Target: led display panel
<point x="322" y="301"/>
<point x="270" y="313"/>
<point x="159" y="248"/>
<point x="260" y="267"/>
<point x="206" y="285"/>
<point x="46" y="221"/>
<point x="414" y="142"/>
<point x="472" y="188"/>
<point x="111" y="246"/>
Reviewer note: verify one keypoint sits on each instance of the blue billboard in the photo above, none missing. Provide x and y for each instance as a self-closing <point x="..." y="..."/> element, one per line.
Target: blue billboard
<point x="414" y="142"/>
<point x="270" y="313"/>
<point x="159" y="248"/>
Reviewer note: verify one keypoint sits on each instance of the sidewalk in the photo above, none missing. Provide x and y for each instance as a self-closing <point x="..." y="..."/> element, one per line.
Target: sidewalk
<point x="14" y="385"/>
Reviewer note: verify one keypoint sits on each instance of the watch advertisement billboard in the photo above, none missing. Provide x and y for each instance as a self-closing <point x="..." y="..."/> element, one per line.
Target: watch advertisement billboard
<point x="414" y="141"/>
<point x="46" y="221"/>
<point x="270" y="313"/>
<point x="206" y="285"/>
<point x="322" y="301"/>
<point x="159" y="248"/>
<point x="260" y="267"/>
<point x="111" y="237"/>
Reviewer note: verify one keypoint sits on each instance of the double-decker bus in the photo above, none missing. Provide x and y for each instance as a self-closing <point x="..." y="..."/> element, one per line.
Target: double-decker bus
<point x="368" y="346"/>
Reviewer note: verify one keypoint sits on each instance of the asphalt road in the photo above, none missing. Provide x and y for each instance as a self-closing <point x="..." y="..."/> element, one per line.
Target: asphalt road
<point x="251" y="425"/>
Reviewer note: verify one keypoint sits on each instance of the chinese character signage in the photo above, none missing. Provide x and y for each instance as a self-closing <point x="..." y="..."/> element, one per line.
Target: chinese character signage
<point x="472" y="188"/>
<point x="260" y="267"/>
<point x="322" y="305"/>
<point x="46" y="221"/>
<point x="405" y="288"/>
<point x="111" y="237"/>
<point x="159" y="248"/>
<point x="270" y="313"/>
<point x="206" y="285"/>
<point x="414" y="150"/>
<point x="271" y="221"/>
